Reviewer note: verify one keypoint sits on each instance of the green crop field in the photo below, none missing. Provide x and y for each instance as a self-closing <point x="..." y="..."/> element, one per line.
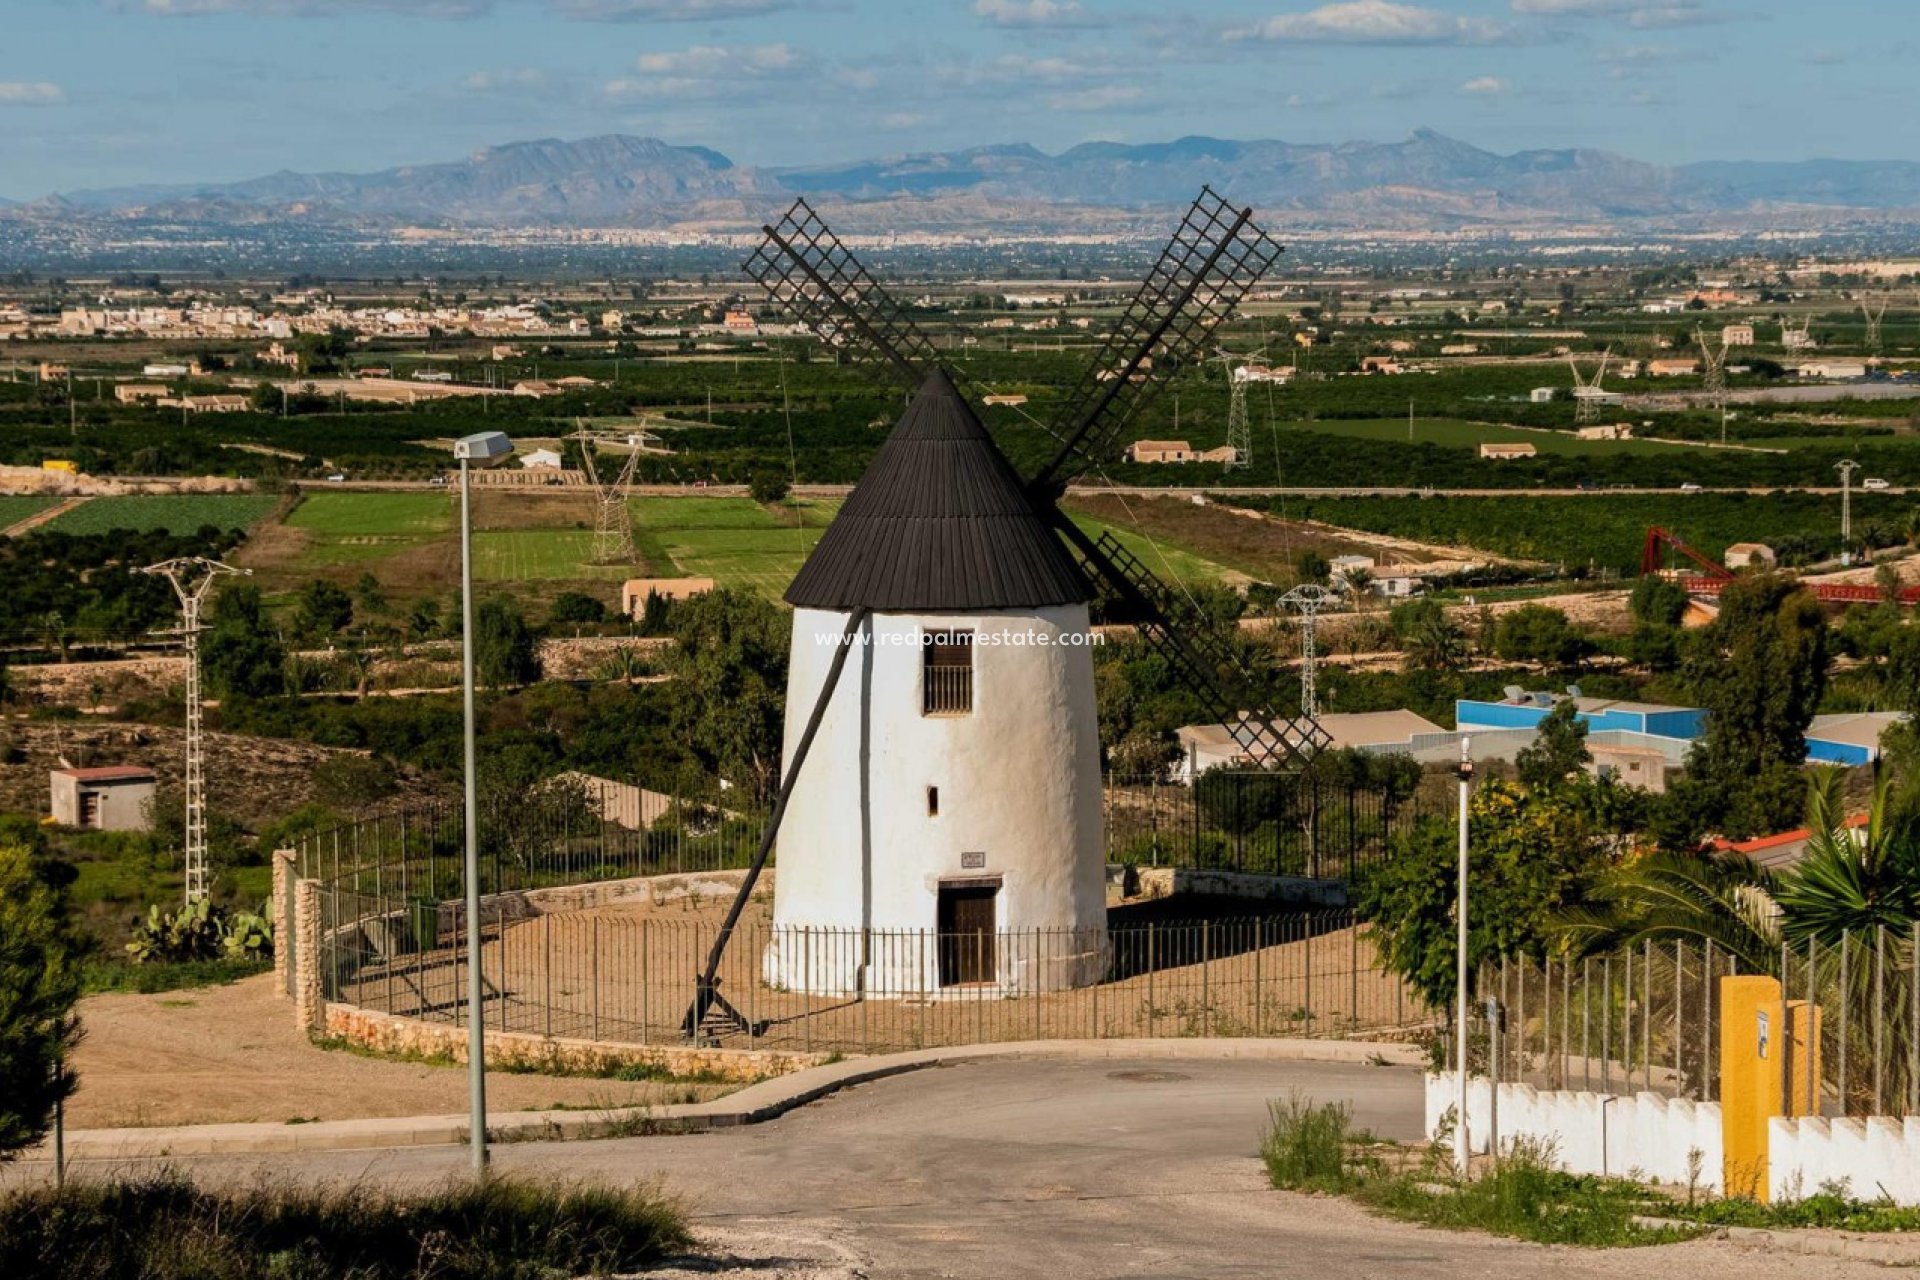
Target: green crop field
<point x="374" y="514"/>
<point x="15" y="508"/>
<point x="1605" y="530"/>
<point x="175" y="513"/>
<point x="1168" y="560"/>
<point x="1459" y="433"/>
<point x="734" y="541"/>
<point x="358" y="528"/>
<point x="540" y="555"/>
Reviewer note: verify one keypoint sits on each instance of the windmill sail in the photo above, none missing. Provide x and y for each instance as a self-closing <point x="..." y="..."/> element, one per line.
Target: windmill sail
<point x="805" y="269"/>
<point x="1215" y="256"/>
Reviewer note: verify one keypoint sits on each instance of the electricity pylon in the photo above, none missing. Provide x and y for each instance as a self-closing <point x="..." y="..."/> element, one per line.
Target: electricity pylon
<point x="1875" y="312"/>
<point x="1239" y="431"/>
<point x="1307" y="600"/>
<point x="613" y="524"/>
<point x="192" y="577"/>
<point x="1586" y="394"/>
<point x="1714" y="362"/>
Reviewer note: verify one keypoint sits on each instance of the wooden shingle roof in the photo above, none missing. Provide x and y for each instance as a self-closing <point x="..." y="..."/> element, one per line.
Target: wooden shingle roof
<point x="940" y="522"/>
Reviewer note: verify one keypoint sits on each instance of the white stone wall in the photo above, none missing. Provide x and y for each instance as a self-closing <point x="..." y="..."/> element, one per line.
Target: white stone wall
<point x="1874" y="1157"/>
<point x="1019" y="784"/>
<point x="1644" y="1135"/>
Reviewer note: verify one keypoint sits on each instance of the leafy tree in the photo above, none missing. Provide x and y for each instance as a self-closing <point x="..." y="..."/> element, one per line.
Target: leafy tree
<point x="1538" y="633"/>
<point x="39" y="984"/>
<point x="504" y="649"/>
<point x="368" y="595"/>
<point x="577" y="607"/>
<point x="1560" y="752"/>
<point x="1431" y="640"/>
<point x="1530" y="858"/>
<point x="324" y="610"/>
<point x="240" y="655"/>
<point x="1759" y="670"/>
<point x="767" y="487"/>
<point x="730" y="656"/>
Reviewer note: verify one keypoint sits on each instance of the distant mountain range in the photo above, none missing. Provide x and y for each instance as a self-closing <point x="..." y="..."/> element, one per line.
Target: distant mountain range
<point x="1425" y="180"/>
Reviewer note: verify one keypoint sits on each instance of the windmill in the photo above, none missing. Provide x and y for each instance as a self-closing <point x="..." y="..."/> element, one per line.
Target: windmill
<point x="1239" y="432"/>
<point x="944" y="547"/>
<point x="1875" y="311"/>
<point x="1589" y="394"/>
<point x="612" y="525"/>
<point x="192" y="578"/>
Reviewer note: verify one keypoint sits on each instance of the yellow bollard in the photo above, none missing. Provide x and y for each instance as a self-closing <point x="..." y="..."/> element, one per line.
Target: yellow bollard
<point x="1769" y="1066"/>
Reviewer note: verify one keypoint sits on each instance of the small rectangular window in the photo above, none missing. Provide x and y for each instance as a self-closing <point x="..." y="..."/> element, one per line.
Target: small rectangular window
<point x="933" y="802"/>
<point x="947" y="673"/>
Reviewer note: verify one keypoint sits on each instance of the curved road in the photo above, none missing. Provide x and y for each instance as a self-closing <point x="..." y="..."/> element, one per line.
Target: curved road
<point x="1058" y="1169"/>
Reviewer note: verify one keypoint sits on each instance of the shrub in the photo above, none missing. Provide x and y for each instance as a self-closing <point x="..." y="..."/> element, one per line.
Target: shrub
<point x="163" y="1227"/>
<point x="767" y="486"/>
<point x="1305" y="1148"/>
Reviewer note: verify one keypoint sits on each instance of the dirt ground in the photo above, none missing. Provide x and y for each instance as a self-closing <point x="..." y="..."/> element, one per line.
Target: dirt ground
<point x="232" y="1054"/>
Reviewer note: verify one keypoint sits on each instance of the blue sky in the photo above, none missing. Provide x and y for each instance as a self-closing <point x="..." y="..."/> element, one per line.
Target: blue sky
<point x="105" y="92"/>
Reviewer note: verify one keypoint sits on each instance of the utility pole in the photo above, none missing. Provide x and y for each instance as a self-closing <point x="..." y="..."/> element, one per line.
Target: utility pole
<point x="1462" y="1148"/>
<point x="1846" y="470"/>
<point x="192" y="577"/>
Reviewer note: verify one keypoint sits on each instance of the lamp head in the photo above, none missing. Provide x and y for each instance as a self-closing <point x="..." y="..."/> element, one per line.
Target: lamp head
<point x="484" y="449"/>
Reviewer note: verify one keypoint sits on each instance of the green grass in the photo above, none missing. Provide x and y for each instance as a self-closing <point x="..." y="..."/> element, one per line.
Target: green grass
<point x="1460" y="433"/>
<point x="735" y="541"/>
<point x="1168" y="560"/>
<point x="163" y="1227"/>
<point x="539" y="555"/>
<point x="175" y="513"/>
<point x="359" y="528"/>
<point x="14" y="508"/>
<point x="104" y="973"/>
<point x="1309" y="1147"/>
<point x="379" y="515"/>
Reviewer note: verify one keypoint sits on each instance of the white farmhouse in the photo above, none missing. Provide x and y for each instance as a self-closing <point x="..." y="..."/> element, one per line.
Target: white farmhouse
<point x="954" y="785"/>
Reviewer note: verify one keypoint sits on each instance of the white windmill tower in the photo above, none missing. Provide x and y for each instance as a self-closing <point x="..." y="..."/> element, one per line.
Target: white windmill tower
<point x="939" y="815"/>
<point x="955" y="779"/>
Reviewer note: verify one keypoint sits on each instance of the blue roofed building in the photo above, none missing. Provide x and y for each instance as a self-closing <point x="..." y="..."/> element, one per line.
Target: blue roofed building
<point x="1523" y="710"/>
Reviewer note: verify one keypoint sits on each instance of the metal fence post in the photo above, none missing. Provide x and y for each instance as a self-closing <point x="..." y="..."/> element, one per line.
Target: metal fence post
<point x="1879" y="1014"/>
<point x="1846" y="999"/>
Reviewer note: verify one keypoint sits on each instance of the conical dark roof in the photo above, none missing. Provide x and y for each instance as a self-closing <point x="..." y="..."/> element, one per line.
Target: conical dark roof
<point x="939" y="522"/>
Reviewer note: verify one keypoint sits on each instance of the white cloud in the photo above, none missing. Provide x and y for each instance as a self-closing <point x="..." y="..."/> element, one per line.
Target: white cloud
<point x="1485" y="86"/>
<point x="580" y="10"/>
<point x="1375" y="22"/>
<point x="1034" y="13"/>
<point x="304" y="8"/>
<point x="902" y="120"/>
<point x="506" y="80"/>
<point x="1102" y="97"/>
<point x="1645" y="14"/>
<point x="30" y="93"/>
<point x="708" y="71"/>
<point x="666" y="10"/>
<point x="1018" y="68"/>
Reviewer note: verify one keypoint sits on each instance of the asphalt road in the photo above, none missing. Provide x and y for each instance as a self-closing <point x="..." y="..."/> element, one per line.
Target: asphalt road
<point x="1056" y="1169"/>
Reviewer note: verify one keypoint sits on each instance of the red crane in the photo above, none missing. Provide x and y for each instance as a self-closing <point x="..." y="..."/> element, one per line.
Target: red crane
<point x="1715" y="576"/>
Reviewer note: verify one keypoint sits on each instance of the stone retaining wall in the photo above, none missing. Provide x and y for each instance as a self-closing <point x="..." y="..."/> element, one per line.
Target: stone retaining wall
<point x="516" y="1051"/>
<point x="1164" y="882"/>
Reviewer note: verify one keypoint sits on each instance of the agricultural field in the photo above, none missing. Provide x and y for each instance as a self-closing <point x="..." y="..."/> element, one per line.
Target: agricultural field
<point x="540" y="555"/>
<point x="735" y="541"/>
<point x="14" y="508"/>
<point x="1604" y="532"/>
<point x="1461" y="433"/>
<point x="347" y="528"/>
<point x="173" y="513"/>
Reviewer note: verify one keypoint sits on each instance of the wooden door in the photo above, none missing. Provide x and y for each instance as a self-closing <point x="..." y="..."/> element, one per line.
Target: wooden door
<point x="967" y="933"/>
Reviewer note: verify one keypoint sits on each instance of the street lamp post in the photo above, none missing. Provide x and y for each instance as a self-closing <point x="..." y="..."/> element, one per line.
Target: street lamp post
<point x="1462" y="1150"/>
<point x="484" y="449"/>
<point x="1846" y="470"/>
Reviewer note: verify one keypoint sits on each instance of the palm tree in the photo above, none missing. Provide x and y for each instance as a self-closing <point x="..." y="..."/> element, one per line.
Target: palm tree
<point x="1852" y="879"/>
<point x="1686" y="897"/>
